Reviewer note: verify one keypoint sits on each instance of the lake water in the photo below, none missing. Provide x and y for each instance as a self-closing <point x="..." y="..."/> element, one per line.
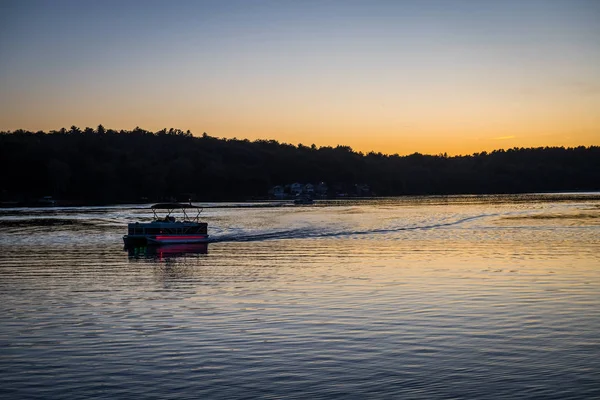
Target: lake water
<point x="422" y="298"/>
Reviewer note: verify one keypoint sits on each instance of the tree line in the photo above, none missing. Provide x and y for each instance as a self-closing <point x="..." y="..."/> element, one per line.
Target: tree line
<point x="101" y="166"/>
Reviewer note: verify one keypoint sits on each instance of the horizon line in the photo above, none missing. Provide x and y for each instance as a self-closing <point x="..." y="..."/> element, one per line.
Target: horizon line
<point x="176" y="131"/>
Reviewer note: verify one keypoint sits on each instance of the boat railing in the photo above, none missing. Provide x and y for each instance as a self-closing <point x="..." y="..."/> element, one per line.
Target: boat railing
<point x="171" y="207"/>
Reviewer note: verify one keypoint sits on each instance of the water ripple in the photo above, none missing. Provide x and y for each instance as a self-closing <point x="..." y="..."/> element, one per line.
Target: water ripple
<point x="445" y="299"/>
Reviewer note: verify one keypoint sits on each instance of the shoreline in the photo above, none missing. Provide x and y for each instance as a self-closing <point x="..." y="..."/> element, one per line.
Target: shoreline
<point x="562" y="195"/>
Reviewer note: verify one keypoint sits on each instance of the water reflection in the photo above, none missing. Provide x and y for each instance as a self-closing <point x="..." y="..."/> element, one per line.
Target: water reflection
<point x="393" y="298"/>
<point x="166" y="252"/>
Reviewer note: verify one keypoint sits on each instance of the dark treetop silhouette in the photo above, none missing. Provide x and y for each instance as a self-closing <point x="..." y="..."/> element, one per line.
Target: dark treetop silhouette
<point x="105" y="166"/>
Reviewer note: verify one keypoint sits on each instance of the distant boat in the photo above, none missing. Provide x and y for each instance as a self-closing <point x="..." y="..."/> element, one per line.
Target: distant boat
<point x="168" y="230"/>
<point x="303" y="200"/>
<point x="46" y="201"/>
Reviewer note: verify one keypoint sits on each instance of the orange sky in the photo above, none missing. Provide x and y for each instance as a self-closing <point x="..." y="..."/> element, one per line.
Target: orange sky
<point x="396" y="77"/>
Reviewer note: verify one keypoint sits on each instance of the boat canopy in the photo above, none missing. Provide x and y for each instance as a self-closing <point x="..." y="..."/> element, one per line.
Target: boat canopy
<point x="170" y="207"/>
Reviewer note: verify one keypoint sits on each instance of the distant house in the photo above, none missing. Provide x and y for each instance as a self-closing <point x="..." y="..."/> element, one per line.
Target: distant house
<point x="299" y="189"/>
<point x="321" y="189"/>
<point x="296" y="188"/>
<point x="277" y="192"/>
<point x="309" y="189"/>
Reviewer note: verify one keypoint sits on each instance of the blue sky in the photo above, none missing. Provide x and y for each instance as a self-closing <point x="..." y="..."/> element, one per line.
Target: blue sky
<point x="391" y="76"/>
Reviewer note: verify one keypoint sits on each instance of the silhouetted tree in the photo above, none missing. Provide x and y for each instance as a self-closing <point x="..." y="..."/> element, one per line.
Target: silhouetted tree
<point x="108" y="166"/>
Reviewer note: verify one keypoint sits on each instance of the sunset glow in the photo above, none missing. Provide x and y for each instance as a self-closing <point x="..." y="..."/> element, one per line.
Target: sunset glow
<point x="386" y="76"/>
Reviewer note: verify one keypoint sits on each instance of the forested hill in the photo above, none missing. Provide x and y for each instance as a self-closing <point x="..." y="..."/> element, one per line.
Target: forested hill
<point x="97" y="166"/>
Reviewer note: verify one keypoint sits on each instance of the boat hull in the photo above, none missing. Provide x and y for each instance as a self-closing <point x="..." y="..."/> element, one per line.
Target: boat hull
<point x="167" y="250"/>
<point x="157" y="240"/>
